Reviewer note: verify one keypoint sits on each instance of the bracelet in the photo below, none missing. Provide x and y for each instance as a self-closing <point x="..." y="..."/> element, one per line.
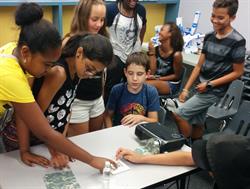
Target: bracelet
<point x="185" y="90"/>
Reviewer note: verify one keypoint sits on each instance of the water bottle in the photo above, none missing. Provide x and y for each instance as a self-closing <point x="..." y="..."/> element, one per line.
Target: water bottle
<point x="106" y="171"/>
<point x="193" y="29"/>
<point x="142" y="150"/>
<point x="156" y="147"/>
<point x="153" y="145"/>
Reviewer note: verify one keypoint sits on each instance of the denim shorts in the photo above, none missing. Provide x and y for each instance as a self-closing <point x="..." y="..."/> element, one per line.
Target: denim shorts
<point x="173" y="86"/>
<point x="194" y="110"/>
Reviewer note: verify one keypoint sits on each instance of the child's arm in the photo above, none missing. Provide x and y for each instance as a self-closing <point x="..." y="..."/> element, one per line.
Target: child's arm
<point x="195" y="73"/>
<point x="33" y="117"/>
<point x="52" y="83"/>
<point x="58" y="159"/>
<point x="104" y="77"/>
<point x="152" y="58"/>
<point x="23" y="139"/>
<point x="111" y="105"/>
<point x="24" y="146"/>
<point x="153" y="106"/>
<point x="108" y="115"/>
<point x="172" y="158"/>
<point x="133" y="119"/>
<point x="152" y="117"/>
<point x="142" y="33"/>
<point x="238" y="70"/>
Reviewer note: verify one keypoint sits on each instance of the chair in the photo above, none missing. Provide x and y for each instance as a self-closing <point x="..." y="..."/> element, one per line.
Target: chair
<point x="229" y="103"/>
<point x="246" y="78"/>
<point x="240" y="123"/>
<point x="162" y="115"/>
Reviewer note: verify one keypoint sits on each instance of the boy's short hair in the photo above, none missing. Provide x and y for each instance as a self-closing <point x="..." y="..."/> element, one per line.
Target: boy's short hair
<point x="231" y="5"/>
<point x="138" y="58"/>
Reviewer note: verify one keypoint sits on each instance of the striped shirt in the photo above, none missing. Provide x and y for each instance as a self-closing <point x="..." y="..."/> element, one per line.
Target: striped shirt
<point x="220" y="55"/>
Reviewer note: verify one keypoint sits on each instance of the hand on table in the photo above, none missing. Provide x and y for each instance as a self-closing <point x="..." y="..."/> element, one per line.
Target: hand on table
<point x="132" y="119"/>
<point x="59" y="160"/>
<point x="129" y="155"/>
<point x="99" y="163"/>
<point x="30" y="159"/>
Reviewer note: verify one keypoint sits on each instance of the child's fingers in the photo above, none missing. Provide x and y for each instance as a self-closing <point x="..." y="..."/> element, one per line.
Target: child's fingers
<point x="71" y="159"/>
<point x="39" y="160"/>
<point x="119" y="153"/>
<point x="127" y="120"/>
<point x="42" y="162"/>
<point x="29" y="163"/>
<point x="58" y="165"/>
<point x="123" y="152"/>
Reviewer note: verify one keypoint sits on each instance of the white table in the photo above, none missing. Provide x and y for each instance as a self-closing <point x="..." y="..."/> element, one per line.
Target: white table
<point x="16" y="175"/>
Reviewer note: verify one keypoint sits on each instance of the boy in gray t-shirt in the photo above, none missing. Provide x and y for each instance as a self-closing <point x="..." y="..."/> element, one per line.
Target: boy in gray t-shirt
<point x="221" y="62"/>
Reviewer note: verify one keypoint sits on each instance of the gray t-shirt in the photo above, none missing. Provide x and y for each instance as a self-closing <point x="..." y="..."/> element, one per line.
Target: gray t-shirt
<point x="220" y="56"/>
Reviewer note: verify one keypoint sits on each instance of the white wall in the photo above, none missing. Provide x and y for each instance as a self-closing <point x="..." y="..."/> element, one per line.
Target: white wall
<point x="241" y="23"/>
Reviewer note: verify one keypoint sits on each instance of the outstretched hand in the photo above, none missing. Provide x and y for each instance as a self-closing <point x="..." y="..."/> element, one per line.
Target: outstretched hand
<point x="99" y="163"/>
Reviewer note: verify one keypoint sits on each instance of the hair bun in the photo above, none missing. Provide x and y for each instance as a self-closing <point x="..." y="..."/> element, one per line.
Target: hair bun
<point x="28" y="13"/>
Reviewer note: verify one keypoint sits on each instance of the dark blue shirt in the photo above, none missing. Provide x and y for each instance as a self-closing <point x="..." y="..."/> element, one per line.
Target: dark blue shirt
<point x="123" y="102"/>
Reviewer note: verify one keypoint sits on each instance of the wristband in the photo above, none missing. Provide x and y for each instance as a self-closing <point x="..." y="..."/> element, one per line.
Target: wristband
<point x="185" y="90"/>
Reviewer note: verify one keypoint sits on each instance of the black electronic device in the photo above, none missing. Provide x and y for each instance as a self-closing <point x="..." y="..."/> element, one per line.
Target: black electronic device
<point x="169" y="141"/>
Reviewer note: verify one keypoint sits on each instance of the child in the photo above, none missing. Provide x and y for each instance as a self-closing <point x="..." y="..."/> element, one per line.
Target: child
<point x="55" y="92"/>
<point x="221" y="62"/>
<point x="226" y="156"/>
<point x="39" y="45"/>
<point x="133" y="102"/>
<point x="126" y="20"/>
<point x="88" y="107"/>
<point x="166" y="60"/>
